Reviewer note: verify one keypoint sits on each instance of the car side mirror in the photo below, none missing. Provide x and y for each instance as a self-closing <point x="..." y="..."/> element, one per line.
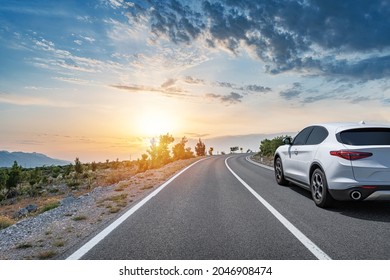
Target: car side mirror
<point x="287" y="141"/>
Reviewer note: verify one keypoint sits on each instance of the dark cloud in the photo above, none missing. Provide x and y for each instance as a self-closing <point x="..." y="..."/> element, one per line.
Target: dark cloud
<point x="257" y="88"/>
<point x="366" y="69"/>
<point x="386" y="102"/>
<point x="360" y="99"/>
<point x="293" y="92"/>
<point x="246" y="88"/>
<point x="226" y="85"/>
<point x="287" y="35"/>
<point x="232" y="98"/>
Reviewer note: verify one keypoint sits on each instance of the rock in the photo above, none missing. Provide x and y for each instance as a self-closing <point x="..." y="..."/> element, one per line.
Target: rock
<point x="21" y="213"/>
<point x="68" y="200"/>
<point x="31" y="208"/>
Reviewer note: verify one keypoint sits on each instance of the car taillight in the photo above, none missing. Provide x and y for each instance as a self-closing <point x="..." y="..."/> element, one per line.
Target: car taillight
<point x="350" y="155"/>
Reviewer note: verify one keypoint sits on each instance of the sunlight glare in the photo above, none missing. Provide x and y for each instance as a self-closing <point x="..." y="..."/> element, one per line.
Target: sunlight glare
<point x="156" y="123"/>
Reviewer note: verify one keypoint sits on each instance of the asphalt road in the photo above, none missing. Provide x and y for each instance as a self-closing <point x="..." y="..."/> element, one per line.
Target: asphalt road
<point x="209" y="213"/>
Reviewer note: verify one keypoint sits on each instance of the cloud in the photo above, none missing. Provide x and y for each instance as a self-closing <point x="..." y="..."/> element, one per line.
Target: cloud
<point x="169" y="83"/>
<point x="191" y="80"/>
<point x="244" y="88"/>
<point x="287" y="35"/>
<point x="293" y="92"/>
<point x="72" y="80"/>
<point x="167" y="91"/>
<point x="257" y="88"/>
<point x="26" y="100"/>
<point x="232" y="98"/>
<point x="196" y="135"/>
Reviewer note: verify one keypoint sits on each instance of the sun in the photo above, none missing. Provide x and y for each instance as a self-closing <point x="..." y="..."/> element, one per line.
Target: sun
<point x="155" y="123"/>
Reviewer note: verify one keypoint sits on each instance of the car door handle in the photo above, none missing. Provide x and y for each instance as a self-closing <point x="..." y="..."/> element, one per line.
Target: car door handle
<point x="296" y="152"/>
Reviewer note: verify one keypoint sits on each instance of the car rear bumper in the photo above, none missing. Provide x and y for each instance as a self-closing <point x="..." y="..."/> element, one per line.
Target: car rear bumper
<point x="371" y="192"/>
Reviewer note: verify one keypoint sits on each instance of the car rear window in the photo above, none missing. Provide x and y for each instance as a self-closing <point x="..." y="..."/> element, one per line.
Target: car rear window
<point x="365" y="136"/>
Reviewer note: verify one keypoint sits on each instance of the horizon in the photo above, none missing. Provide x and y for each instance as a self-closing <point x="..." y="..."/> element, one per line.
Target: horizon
<point x="98" y="79"/>
<point x="220" y="144"/>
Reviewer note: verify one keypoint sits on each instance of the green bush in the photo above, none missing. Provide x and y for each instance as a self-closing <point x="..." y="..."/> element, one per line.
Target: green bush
<point x="268" y="147"/>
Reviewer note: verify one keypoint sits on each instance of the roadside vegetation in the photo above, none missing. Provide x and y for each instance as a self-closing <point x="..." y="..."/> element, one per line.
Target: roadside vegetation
<point x="48" y="184"/>
<point x="268" y="148"/>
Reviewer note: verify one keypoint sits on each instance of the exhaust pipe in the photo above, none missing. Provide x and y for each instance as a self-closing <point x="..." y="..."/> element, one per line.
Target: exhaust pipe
<point x="356" y="195"/>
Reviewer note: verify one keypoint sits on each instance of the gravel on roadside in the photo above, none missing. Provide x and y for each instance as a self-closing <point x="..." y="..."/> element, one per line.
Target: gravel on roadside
<point x="52" y="234"/>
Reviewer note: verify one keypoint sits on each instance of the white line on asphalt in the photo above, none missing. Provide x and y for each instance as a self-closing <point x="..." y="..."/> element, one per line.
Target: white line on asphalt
<point x="92" y="243"/>
<point x="313" y="248"/>
<point x="259" y="164"/>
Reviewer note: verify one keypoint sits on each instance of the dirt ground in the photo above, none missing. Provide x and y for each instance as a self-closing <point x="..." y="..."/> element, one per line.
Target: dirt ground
<point x="52" y="234"/>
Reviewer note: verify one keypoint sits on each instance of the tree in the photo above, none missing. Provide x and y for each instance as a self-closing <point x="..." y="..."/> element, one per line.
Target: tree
<point x="268" y="147"/>
<point x="163" y="154"/>
<point x="78" y="167"/>
<point x="152" y="151"/>
<point x="159" y="154"/>
<point x="94" y="166"/>
<point x="14" y="178"/>
<point x="200" y="148"/>
<point x="211" y="151"/>
<point x="34" y="178"/>
<point x="143" y="163"/>
<point x="180" y="151"/>
<point x="3" y="182"/>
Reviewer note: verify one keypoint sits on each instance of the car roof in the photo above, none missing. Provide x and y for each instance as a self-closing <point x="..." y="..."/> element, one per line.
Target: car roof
<point x="340" y="126"/>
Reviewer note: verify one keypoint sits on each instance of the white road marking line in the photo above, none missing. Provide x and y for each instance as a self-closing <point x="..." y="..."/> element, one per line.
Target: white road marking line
<point x="259" y="164"/>
<point x="313" y="248"/>
<point x="100" y="236"/>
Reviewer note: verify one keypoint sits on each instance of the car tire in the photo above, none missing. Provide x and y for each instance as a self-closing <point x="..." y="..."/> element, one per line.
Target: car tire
<point x="319" y="189"/>
<point x="279" y="173"/>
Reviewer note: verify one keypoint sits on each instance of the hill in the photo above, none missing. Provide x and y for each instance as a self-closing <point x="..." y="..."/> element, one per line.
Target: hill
<point x="28" y="160"/>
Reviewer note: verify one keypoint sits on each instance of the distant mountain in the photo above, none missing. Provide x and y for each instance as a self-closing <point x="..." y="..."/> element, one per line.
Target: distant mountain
<point x="28" y="160"/>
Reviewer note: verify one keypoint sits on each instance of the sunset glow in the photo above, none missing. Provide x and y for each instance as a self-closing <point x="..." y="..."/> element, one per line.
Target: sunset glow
<point x="155" y="123"/>
<point x="94" y="79"/>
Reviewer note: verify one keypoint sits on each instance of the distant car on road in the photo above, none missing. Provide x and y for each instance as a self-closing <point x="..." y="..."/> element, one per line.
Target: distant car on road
<point x="337" y="161"/>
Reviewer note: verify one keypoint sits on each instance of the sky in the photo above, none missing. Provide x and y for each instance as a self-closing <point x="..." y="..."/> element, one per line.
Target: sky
<point x="97" y="79"/>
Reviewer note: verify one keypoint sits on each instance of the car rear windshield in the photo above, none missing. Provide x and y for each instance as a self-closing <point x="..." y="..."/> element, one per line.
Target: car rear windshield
<point x="365" y="136"/>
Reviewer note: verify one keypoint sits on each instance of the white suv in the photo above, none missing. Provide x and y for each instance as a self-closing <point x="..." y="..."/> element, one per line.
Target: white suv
<point x="337" y="161"/>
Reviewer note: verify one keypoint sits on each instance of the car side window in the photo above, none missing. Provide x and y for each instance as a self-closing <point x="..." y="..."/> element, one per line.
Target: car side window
<point x="317" y="136"/>
<point x="302" y="136"/>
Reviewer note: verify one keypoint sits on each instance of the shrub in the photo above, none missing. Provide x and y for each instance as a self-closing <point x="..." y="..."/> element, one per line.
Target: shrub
<point x="268" y="147"/>
<point x="78" y="167"/>
<point x="45" y="255"/>
<point x="24" y="246"/>
<point x="79" y="218"/>
<point x="49" y="206"/>
<point x="5" y="222"/>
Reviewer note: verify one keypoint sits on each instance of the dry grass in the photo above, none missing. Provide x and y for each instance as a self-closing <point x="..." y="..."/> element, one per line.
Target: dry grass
<point x="45" y="255"/>
<point x="59" y="243"/>
<point x="117" y="198"/>
<point x="79" y="218"/>
<point x="5" y="222"/>
<point x="24" y="246"/>
<point x="51" y="204"/>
